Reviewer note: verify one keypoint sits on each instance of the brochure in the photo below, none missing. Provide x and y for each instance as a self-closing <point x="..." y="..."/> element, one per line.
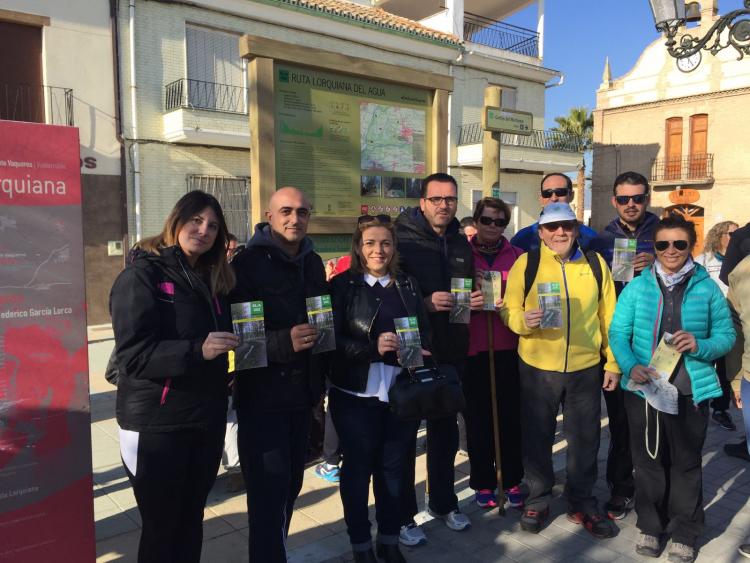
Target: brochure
<point x="492" y="285"/>
<point x="320" y="315"/>
<point x="622" y="259"/>
<point x="248" y="324"/>
<point x="665" y="357"/>
<point x="410" y="342"/>
<point x="659" y="392"/>
<point x="550" y="303"/>
<point x="461" y="311"/>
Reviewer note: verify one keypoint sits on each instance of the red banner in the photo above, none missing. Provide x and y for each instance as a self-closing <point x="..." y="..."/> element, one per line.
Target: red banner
<point x="46" y="503"/>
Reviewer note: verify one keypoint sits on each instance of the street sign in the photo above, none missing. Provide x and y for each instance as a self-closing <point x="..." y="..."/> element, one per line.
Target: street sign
<point x="502" y="120"/>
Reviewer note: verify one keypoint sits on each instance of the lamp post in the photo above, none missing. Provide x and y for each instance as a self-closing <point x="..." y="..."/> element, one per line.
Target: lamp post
<point x="669" y="16"/>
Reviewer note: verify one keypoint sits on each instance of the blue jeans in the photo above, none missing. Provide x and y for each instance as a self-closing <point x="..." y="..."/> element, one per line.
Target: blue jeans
<point x="745" y="395"/>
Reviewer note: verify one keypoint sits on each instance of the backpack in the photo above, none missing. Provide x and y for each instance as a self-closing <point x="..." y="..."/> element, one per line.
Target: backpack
<point x="532" y="267"/>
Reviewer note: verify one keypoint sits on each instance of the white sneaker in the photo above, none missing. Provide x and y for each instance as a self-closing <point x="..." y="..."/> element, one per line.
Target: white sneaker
<point x="455" y="520"/>
<point x="412" y="535"/>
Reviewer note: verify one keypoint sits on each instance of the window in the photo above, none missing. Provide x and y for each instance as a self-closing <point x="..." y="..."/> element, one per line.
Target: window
<point x="215" y="71"/>
<point x="673" y="148"/>
<point x="233" y="194"/>
<point x="698" y="145"/>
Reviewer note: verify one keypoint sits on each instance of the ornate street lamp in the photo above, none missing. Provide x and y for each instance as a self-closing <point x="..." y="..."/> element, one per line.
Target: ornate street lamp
<point x="669" y="16"/>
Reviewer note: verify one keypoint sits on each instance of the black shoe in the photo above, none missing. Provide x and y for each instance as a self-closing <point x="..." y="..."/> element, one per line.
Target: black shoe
<point x="618" y="507"/>
<point x="391" y="553"/>
<point x="737" y="450"/>
<point x="648" y="545"/>
<point x="596" y="524"/>
<point x="744" y="550"/>
<point x="532" y="520"/>
<point x="364" y="556"/>
<point x="724" y="419"/>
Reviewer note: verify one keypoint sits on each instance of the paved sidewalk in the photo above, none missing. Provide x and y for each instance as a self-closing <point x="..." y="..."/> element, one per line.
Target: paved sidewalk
<point x="318" y="532"/>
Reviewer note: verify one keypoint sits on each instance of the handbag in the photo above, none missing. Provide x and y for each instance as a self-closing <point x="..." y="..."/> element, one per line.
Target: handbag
<point x="431" y="391"/>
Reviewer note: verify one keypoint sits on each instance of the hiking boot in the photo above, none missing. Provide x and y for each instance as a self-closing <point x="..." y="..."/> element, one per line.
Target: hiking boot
<point x="681" y="553"/>
<point x="647" y="545"/>
<point x="532" y="520"/>
<point x="724" y="419"/>
<point x="390" y="553"/>
<point x="485" y="498"/>
<point x="411" y="535"/>
<point x="515" y="497"/>
<point x="331" y="473"/>
<point x="618" y="507"/>
<point x="455" y="520"/>
<point x="737" y="450"/>
<point x="596" y="524"/>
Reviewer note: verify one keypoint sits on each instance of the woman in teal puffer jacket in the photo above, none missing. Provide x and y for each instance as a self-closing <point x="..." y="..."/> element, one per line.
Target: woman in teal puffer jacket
<point x="676" y="297"/>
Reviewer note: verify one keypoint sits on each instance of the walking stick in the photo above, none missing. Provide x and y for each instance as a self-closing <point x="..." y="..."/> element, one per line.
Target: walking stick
<point x="495" y="415"/>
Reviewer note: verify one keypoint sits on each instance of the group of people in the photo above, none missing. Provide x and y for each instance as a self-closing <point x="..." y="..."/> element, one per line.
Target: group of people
<point x="170" y="313"/>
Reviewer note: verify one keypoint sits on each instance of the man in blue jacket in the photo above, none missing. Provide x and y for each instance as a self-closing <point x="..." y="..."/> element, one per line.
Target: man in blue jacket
<point x="555" y="187"/>
<point x="630" y="198"/>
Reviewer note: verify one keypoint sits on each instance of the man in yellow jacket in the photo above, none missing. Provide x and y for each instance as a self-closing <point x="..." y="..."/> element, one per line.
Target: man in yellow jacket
<point x="560" y="302"/>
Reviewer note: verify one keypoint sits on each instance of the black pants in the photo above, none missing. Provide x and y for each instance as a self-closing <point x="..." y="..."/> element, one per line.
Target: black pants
<point x="479" y="424"/>
<point x="668" y="489"/>
<point x="374" y="443"/>
<point x="331" y="445"/>
<point x="542" y="392"/>
<point x="619" y="460"/>
<point x="722" y="403"/>
<point x="174" y="474"/>
<point x="272" y="447"/>
<point x="442" y="446"/>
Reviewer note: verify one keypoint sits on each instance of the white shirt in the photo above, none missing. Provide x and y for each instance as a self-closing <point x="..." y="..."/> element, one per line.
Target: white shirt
<point x="381" y="376"/>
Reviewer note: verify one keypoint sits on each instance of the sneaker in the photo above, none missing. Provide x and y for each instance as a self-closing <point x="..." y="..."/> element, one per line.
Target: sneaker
<point x="234" y="483"/>
<point x="515" y="497"/>
<point x="412" y="535"/>
<point x="737" y="450"/>
<point x="597" y="525"/>
<point x="455" y="520"/>
<point x="724" y="419"/>
<point x="331" y="473"/>
<point x="618" y="507"/>
<point x="486" y="498"/>
<point x="744" y="550"/>
<point x="532" y="520"/>
<point x="647" y="545"/>
<point x="681" y="553"/>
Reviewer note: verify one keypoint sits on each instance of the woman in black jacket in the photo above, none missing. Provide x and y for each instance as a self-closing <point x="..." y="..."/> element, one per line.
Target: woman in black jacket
<point x="366" y="300"/>
<point x="171" y="323"/>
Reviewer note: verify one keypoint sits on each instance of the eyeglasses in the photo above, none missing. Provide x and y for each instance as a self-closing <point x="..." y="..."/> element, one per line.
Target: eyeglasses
<point x="437" y="200"/>
<point x="383" y="218"/>
<point x="662" y="245"/>
<point x="625" y="199"/>
<point x="500" y="222"/>
<point x="559" y="192"/>
<point x="566" y="226"/>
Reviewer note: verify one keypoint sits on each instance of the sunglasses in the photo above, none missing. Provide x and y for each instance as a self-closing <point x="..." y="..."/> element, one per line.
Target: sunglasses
<point x="383" y="218"/>
<point x="559" y="192"/>
<point x="437" y="200"/>
<point x="624" y="199"/>
<point x="662" y="245"/>
<point x="503" y="222"/>
<point x="566" y="225"/>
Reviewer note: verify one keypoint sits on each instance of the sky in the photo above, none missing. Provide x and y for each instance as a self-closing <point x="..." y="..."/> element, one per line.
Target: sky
<point x="580" y="34"/>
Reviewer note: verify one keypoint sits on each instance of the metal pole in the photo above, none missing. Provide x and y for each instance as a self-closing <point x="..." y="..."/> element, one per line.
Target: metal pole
<point x="495" y="414"/>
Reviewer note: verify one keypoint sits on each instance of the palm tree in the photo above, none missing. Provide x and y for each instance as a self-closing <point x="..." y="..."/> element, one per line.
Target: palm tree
<point x="577" y="126"/>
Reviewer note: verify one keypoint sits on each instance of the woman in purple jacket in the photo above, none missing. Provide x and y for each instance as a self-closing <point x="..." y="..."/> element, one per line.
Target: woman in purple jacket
<point x="492" y="251"/>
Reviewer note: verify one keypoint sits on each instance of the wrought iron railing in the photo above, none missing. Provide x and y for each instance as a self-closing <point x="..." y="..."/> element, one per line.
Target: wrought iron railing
<point x="693" y="167"/>
<point x="501" y="35"/>
<point x="233" y="194"/>
<point x="471" y="133"/>
<point x="198" y="94"/>
<point x="36" y="104"/>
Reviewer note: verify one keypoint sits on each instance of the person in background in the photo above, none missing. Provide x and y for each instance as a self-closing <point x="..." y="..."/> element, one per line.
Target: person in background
<point x="738" y="248"/>
<point x="712" y="257"/>
<point x="232" y="246"/>
<point x="366" y="300"/>
<point x="493" y="252"/>
<point x="630" y="199"/>
<point x="555" y="187"/>
<point x="468" y="227"/>
<point x="678" y="297"/>
<point x="172" y="330"/>
<point x="738" y="360"/>
<point x="561" y="365"/>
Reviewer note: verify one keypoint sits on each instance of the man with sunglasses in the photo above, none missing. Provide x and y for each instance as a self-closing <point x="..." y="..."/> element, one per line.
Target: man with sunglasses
<point x="433" y="251"/>
<point x="556" y="187"/>
<point x="630" y="198"/>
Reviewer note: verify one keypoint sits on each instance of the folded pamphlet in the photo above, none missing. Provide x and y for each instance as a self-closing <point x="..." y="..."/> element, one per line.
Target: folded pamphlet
<point x="622" y="259"/>
<point x="320" y="315"/>
<point x="410" y="342"/>
<point x="249" y="325"/>
<point x="492" y="286"/>
<point x="659" y="392"/>
<point x="461" y="310"/>
<point x="550" y="302"/>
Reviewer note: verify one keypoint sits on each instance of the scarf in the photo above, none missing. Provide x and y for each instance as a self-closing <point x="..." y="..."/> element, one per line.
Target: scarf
<point x="670" y="280"/>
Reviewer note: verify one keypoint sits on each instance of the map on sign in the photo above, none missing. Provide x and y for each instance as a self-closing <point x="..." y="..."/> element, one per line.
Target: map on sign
<point x="392" y="139"/>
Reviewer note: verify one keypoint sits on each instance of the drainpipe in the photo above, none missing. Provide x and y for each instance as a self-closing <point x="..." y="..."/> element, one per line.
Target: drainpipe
<point x="134" y="123"/>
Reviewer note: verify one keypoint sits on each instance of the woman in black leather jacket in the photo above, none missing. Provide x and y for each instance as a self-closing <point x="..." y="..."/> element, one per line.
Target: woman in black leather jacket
<point x="171" y="322"/>
<point x="366" y="300"/>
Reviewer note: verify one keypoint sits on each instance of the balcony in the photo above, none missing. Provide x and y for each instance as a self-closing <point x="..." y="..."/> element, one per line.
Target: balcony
<point x="500" y="35"/>
<point x="687" y="170"/>
<point x="36" y="104"/>
<point x="205" y="113"/>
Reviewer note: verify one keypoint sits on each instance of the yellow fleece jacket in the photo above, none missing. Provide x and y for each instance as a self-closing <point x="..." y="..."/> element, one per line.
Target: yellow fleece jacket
<point x="583" y="339"/>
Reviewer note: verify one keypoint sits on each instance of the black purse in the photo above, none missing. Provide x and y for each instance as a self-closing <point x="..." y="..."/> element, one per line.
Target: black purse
<point x="432" y="391"/>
